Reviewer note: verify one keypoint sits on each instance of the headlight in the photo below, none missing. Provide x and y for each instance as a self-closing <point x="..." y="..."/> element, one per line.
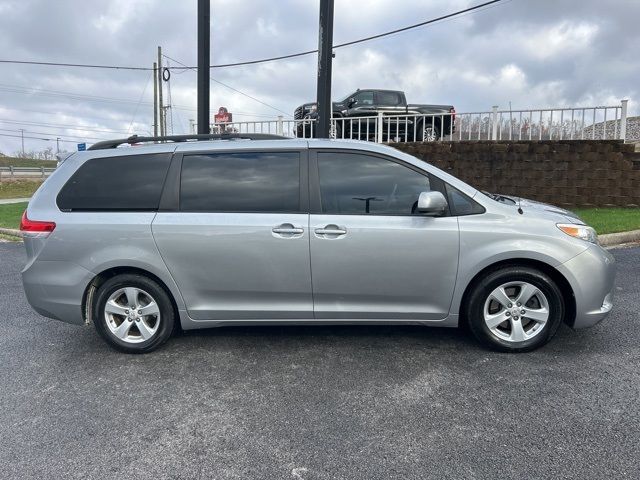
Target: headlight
<point x="582" y="232"/>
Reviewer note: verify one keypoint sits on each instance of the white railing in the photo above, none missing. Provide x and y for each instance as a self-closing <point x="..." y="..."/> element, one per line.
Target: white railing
<point x="574" y="123"/>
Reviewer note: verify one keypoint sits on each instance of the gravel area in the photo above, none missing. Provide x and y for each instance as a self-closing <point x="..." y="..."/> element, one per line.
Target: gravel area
<point x="613" y="130"/>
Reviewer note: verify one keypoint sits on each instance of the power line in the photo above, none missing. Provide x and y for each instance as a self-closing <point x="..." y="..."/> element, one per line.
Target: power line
<point x="362" y="40"/>
<point x="421" y="24"/>
<point x="135" y="113"/>
<point x="36" y="138"/>
<point x="74" y="137"/>
<point x="57" y="93"/>
<point x="62" y="126"/>
<point x="57" y="112"/>
<point x="77" y="96"/>
<point x="230" y="87"/>
<point x="271" y="59"/>
<point x="81" y="65"/>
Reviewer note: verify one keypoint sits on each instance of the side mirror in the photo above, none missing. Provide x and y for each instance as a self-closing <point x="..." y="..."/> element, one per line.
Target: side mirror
<point x="432" y="204"/>
<point x="352" y="102"/>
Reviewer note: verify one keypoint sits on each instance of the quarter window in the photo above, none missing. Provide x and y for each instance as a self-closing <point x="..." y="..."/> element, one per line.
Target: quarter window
<point x="359" y="184"/>
<point x="241" y="182"/>
<point x="389" y="99"/>
<point x="127" y="182"/>
<point x="462" y="205"/>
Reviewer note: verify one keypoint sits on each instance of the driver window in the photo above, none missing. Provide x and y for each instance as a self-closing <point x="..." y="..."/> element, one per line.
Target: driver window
<point x="357" y="184"/>
<point x="364" y="98"/>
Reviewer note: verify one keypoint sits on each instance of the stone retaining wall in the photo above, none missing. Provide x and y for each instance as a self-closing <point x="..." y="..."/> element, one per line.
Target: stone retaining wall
<point x="567" y="173"/>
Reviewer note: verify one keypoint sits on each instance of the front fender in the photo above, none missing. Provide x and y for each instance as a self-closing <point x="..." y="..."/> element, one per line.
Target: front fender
<point x="489" y="239"/>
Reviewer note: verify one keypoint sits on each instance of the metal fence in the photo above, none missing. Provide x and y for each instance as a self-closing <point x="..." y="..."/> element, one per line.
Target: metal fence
<point x="11" y="173"/>
<point x="574" y="123"/>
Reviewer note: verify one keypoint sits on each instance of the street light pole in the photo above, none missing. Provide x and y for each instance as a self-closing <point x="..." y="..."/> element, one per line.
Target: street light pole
<point x="204" y="46"/>
<point x="325" y="56"/>
<point x="58" y="145"/>
<point x="22" y="136"/>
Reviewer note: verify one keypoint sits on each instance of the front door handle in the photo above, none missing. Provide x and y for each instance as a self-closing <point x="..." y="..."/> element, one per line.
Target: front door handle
<point x="330" y="230"/>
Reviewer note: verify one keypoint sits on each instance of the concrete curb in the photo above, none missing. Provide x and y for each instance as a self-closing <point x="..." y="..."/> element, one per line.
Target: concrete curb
<point x="611" y="239"/>
<point x="11" y="232"/>
<point x="8" y="201"/>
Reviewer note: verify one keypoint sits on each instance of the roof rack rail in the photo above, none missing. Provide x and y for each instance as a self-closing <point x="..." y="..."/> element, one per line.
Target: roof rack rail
<point x="185" y="138"/>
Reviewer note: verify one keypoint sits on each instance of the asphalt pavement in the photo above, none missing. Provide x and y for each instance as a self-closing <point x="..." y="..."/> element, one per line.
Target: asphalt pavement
<point x="361" y="402"/>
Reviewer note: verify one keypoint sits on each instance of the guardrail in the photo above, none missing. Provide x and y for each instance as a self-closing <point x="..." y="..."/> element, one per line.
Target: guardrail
<point x="571" y="123"/>
<point x="7" y="173"/>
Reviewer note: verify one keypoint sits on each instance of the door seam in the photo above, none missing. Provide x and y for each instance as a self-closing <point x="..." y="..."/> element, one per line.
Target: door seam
<point x="164" y="262"/>
<point x="313" y="298"/>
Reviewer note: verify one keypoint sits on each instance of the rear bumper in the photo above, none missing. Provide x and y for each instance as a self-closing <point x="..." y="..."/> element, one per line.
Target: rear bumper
<point x="55" y="289"/>
<point x="592" y="277"/>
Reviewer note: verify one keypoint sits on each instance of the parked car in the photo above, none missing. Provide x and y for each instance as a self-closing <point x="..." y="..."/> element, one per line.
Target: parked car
<point x="356" y="117"/>
<point x="141" y="241"/>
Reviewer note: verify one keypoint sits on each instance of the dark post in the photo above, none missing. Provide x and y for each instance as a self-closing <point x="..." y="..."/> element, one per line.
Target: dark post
<point x="204" y="19"/>
<point x="325" y="55"/>
<point x="155" y="99"/>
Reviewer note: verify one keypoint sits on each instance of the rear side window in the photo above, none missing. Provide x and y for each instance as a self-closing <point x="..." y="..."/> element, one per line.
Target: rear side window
<point x="263" y="182"/>
<point x="128" y="182"/>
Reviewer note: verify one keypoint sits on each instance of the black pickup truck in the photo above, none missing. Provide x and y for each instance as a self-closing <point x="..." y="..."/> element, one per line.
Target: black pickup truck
<point x="356" y="117"/>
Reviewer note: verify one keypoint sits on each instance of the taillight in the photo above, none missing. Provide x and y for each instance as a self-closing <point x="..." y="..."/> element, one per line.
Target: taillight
<point x="27" y="225"/>
<point x="452" y="111"/>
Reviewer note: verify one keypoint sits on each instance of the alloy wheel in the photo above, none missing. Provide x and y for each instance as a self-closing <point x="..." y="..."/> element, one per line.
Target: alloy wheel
<point x="516" y="311"/>
<point x="429" y="133"/>
<point x="132" y="315"/>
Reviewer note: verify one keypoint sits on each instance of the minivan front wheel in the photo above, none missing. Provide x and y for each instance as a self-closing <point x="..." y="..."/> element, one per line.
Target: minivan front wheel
<point x="133" y="313"/>
<point x="515" y="309"/>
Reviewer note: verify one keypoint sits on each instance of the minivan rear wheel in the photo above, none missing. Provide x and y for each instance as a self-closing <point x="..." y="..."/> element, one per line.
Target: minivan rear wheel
<point x="515" y="309"/>
<point x="133" y="313"/>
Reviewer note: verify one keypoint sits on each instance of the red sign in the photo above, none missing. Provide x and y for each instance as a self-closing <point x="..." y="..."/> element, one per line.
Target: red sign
<point x="223" y="116"/>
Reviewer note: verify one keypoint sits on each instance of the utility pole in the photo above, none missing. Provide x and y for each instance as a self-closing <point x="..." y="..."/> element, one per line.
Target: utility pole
<point x="57" y="144"/>
<point x="162" y="132"/>
<point x="22" y="135"/>
<point x="155" y="99"/>
<point x="325" y="56"/>
<point x="164" y="119"/>
<point x="204" y="52"/>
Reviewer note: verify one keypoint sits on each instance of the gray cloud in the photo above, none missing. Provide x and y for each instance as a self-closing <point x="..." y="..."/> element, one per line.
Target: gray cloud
<point x="531" y="53"/>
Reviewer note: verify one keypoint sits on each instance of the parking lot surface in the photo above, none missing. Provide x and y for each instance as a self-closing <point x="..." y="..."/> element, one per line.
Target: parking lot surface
<point x="312" y="402"/>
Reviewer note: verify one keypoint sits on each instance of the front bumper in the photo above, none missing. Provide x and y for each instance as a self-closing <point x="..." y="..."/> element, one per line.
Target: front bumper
<point x="592" y="277"/>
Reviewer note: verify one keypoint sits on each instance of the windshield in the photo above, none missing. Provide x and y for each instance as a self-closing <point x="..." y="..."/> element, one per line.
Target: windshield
<point x="346" y="98"/>
<point x="500" y="198"/>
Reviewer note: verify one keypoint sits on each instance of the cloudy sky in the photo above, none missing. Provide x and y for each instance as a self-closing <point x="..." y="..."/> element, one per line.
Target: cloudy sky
<point x="532" y="53"/>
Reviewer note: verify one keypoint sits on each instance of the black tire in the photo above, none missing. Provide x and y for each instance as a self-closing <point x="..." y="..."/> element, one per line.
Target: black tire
<point x="474" y="309"/>
<point x="338" y="129"/>
<point x="166" y="318"/>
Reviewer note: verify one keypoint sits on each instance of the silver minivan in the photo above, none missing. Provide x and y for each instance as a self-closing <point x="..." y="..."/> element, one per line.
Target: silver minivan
<point x="207" y="231"/>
